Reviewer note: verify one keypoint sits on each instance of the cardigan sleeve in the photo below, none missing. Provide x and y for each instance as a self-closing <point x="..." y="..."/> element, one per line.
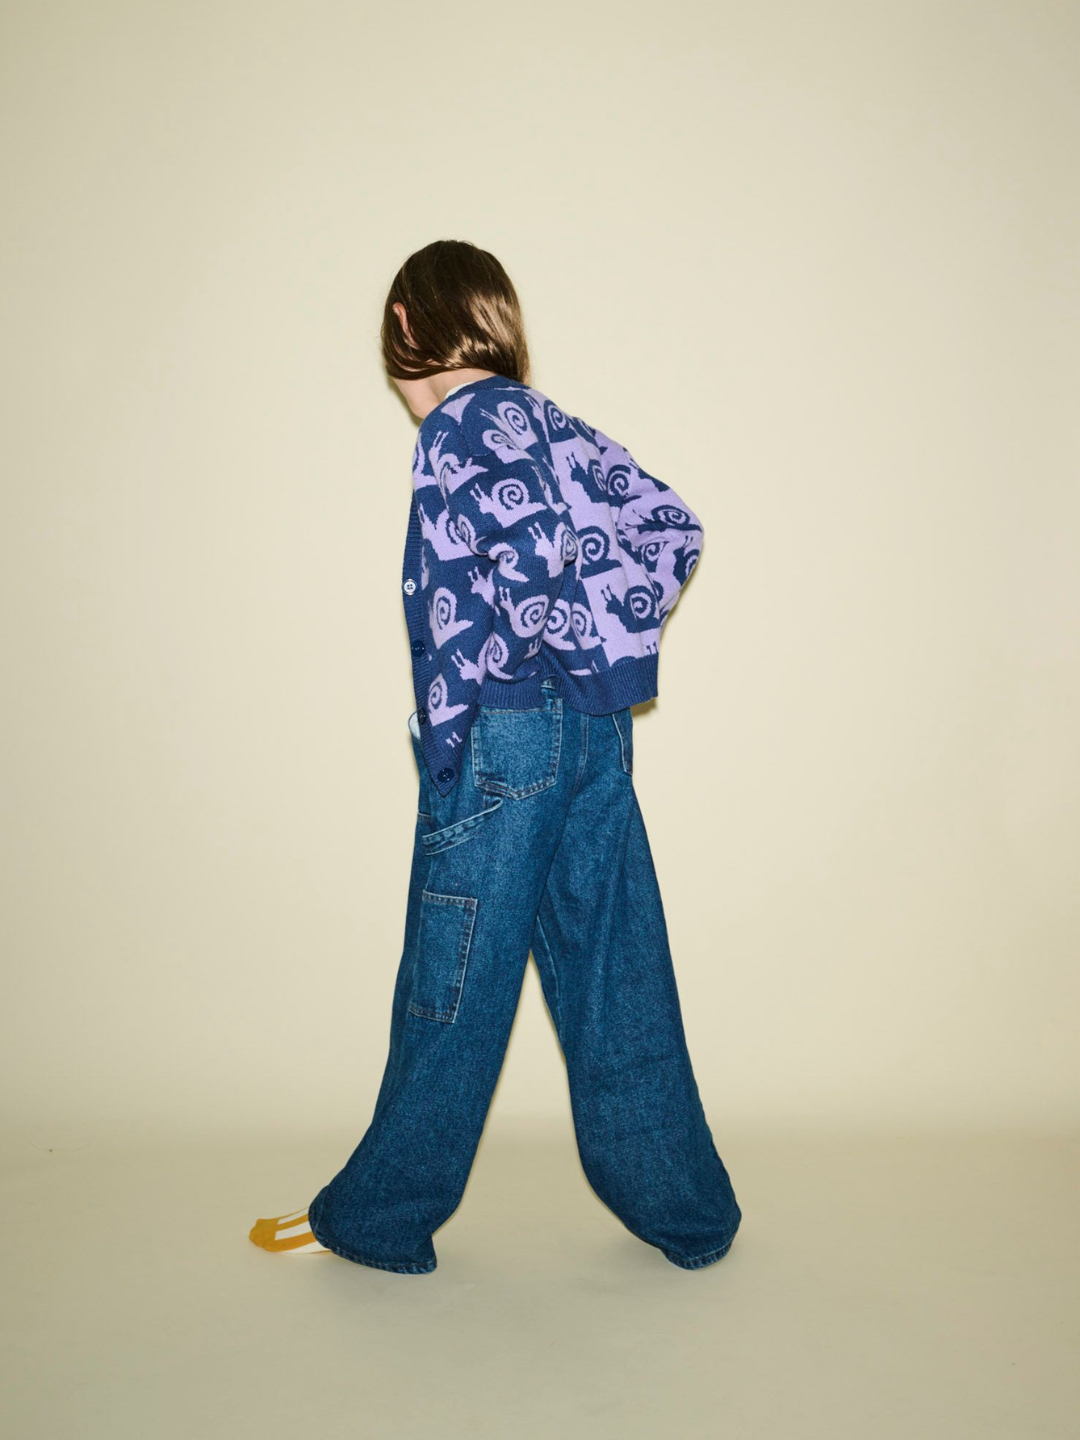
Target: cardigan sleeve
<point x="653" y="522"/>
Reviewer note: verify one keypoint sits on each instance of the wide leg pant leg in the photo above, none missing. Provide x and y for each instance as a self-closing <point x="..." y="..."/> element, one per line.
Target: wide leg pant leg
<point x="602" y="950"/>
<point x="480" y="860"/>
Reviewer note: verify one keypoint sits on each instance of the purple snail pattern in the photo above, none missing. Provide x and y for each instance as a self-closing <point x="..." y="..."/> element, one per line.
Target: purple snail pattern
<point x="537" y="547"/>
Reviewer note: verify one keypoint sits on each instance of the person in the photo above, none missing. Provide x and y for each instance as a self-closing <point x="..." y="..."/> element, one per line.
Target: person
<point x="541" y="565"/>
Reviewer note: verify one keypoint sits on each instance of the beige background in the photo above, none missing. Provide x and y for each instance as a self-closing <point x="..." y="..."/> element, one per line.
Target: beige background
<point x="817" y="265"/>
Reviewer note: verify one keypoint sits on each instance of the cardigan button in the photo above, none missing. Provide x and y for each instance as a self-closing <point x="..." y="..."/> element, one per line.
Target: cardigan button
<point x="421" y="715"/>
<point x="418" y="647"/>
<point x="445" y="774"/>
<point x="410" y="586"/>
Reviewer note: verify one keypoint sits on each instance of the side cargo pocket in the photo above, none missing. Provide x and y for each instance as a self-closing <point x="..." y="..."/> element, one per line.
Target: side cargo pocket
<point x="443" y="940"/>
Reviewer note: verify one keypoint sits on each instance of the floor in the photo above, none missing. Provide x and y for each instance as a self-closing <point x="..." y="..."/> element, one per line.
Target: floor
<point x="880" y="1286"/>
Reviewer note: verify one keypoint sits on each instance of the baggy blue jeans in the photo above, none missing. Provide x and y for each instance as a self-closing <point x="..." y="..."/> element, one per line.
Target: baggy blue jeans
<point x="540" y="846"/>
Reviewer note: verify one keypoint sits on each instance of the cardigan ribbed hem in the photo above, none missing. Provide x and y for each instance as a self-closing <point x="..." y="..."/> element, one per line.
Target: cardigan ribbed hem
<point x="628" y="682"/>
<point x="512" y="694"/>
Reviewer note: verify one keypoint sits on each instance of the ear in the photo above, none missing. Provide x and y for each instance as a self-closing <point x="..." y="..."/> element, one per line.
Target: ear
<point x="403" y="320"/>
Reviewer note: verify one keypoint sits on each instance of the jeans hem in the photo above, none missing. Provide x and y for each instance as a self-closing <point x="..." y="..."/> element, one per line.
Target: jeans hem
<point x="399" y="1267"/>
<point x="698" y="1262"/>
<point x="408" y="1269"/>
<point x="382" y="1264"/>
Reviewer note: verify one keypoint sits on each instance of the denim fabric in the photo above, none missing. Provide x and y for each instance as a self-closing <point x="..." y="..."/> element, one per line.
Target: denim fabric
<point x="541" y="846"/>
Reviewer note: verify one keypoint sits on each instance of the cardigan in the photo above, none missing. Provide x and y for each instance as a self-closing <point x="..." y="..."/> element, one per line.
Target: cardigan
<point x="537" y="551"/>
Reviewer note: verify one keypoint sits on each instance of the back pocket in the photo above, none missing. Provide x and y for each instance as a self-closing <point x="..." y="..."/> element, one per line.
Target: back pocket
<point x="443" y="941"/>
<point x="516" y="752"/>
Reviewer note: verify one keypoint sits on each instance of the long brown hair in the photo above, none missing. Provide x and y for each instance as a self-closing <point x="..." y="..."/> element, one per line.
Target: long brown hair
<point x="463" y="313"/>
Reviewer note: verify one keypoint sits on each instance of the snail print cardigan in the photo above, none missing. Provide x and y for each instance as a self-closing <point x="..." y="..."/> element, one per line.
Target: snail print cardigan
<point x="536" y="547"/>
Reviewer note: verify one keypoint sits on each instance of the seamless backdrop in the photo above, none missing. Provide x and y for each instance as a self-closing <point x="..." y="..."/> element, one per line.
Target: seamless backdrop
<point x="836" y="249"/>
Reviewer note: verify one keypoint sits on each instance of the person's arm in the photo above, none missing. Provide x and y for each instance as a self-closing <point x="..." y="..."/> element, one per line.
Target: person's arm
<point x="653" y="522"/>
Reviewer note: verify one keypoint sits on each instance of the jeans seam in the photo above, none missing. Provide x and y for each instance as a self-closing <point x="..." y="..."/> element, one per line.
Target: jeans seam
<point x="584" y="754"/>
<point x="554" y="968"/>
<point x="629" y="769"/>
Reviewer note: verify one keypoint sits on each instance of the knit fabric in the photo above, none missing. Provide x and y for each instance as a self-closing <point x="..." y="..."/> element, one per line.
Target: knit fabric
<point x="537" y="549"/>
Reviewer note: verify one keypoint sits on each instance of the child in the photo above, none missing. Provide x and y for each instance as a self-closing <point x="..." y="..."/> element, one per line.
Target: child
<point x="541" y="564"/>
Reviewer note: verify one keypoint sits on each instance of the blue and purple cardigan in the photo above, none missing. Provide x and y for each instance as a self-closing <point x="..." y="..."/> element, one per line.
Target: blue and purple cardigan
<point x="536" y="546"/>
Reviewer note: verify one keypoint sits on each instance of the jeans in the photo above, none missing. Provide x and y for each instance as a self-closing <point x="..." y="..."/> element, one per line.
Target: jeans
<point x="540" y="846"/>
